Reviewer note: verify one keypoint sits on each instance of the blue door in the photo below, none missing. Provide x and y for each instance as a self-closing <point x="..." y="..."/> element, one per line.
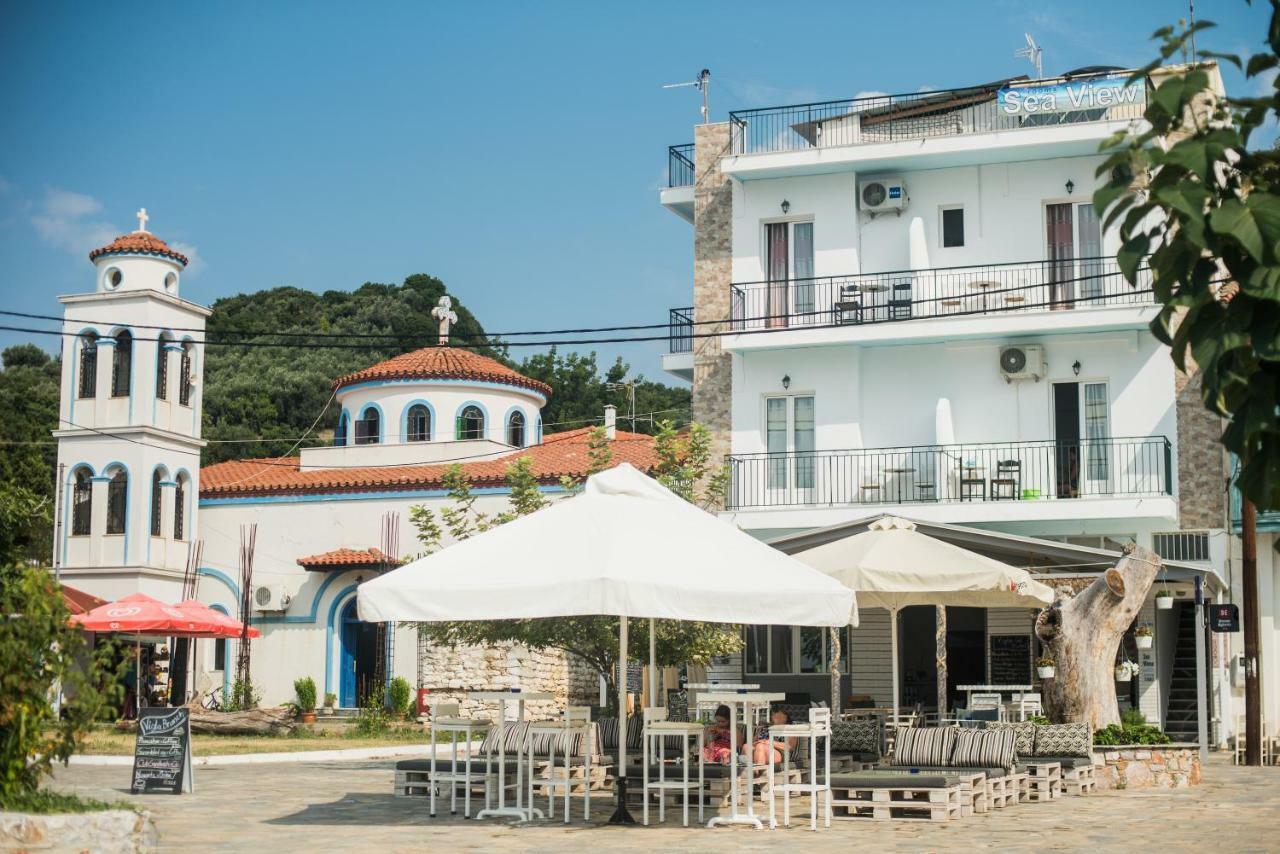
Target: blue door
<point x="350" y="655"/>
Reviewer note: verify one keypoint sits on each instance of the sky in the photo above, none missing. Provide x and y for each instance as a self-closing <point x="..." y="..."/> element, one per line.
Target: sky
<point x="514" y="150"/>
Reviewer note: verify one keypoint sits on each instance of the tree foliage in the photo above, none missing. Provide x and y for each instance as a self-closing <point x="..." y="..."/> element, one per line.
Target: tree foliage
<point x="580" y="393"/>
<point x="684" y="462"/>
<point x="29" y="381"/>
<point x="40" y="650"/>
<point x="1200" y="207"/>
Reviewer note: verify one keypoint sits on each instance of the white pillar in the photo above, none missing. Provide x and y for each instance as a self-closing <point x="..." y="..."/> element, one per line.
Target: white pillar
<point x="611" y="421"/>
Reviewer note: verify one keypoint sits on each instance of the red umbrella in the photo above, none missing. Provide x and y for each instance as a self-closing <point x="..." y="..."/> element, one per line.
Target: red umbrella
<point x="139" y="614"/>
<point x="229" y="627"/>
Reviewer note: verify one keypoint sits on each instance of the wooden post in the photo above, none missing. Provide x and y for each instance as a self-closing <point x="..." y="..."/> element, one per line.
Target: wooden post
<point x="1249" y="584"/>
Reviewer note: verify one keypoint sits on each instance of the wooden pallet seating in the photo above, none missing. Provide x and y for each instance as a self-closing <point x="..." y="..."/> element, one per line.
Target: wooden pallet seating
<point x="1044" y="781"/>
<point x="904" y="803"/>
<point x="1003" y="791"/>
<point x="1079" y="780"/>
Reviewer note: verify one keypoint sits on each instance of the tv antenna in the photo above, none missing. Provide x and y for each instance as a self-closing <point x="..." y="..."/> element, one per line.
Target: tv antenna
<point x="1033" y="54"/>
<point x="704" y="83"/>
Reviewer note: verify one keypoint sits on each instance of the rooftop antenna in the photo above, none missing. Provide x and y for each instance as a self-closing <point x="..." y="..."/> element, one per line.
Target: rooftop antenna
<point x="1033" y="54"/>
<point x="704" y="83"/>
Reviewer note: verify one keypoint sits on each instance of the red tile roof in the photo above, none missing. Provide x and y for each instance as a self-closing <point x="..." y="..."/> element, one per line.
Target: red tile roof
<point x="559" y="455"/>
<point x="431" y="363"/>
<point x="139" y="243"/>
<point x="79" y="602"/>
<point x="347" y="557"/>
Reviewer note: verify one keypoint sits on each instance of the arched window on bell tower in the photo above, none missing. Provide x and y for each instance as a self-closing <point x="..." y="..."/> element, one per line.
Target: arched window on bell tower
<point x="122" y="364"/>
<point x="88" y="384"/>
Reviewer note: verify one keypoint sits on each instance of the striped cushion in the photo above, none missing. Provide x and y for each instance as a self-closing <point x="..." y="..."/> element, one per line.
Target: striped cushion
<point x="542" y="741"/>
<point x="980" y="748"/>
<point x="1064" y="740"/>
<point x="1024" y="734"/>
<point x="514" y="741"/>
<point x="609" y="733"/>
<point x="924" y="746"/>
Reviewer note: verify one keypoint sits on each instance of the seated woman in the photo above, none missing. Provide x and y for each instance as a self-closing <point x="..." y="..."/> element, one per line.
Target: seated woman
<point x="765" y="751"/>
<point x="720" y="743"/>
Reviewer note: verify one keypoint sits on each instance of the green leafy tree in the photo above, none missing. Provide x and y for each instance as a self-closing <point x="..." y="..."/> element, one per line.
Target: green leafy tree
<point x="1199" y="206"/>
<point x="29" y="395"/>
<point x="685" y="465"/>
<point x="42" y="651"/>
<point x="581" y="392"/>
<point x="594" y="639"/>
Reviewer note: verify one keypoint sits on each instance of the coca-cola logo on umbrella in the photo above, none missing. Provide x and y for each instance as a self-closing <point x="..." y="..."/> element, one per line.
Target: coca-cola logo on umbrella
<point x="125" y="611"/>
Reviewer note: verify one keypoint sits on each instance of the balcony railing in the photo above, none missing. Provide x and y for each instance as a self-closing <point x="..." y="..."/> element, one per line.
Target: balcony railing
<point x="680" y="165"/>
<point x="1047" y="470"/>
<point x="680" y="330"/>
<point x="1008" y="105"/>
<point x="1026" y="286"/>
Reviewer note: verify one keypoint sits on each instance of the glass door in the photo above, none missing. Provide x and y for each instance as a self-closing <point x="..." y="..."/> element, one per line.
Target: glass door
<point x="1089" y="267"/>
<point x="1097" y="439"/>
<point x="789" y="262"/>
<point x="790" y="440"/>
<point x="1060" y="250"/>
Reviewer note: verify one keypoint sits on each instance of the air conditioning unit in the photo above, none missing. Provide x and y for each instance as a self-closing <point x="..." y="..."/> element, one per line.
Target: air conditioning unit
<point x="1022" y="362"/>
<point x="882" y="195"/>
<point x="271" y="597"/>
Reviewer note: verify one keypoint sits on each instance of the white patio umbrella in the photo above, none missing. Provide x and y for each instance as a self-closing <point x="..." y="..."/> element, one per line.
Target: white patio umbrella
<point x="627" y="547"/>
<point x="892" y="565"/>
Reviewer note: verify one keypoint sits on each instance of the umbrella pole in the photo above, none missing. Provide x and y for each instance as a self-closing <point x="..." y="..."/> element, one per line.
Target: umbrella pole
<point x="893" y="647"/>
<point x="137" y="677"/>
<point x="653" y="664"/>
<point x="620" y="813"/>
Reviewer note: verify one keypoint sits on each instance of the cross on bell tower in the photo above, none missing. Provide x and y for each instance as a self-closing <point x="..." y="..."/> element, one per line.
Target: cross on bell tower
<point x="444" y="313"/>
<point x="142" y="219"/>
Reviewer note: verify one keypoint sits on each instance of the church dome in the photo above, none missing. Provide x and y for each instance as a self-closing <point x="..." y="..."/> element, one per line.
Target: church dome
<point x="138" y="243"/>
<point x="444" y="363"/>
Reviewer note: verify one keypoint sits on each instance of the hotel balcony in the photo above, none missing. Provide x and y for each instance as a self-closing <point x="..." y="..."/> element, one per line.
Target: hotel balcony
<point x="1017" y="119"/>
<point x="963" y="483"/>
<point x="677" y="196"/>
<point x="955" y="302"/>
<point x="678" y="360"/>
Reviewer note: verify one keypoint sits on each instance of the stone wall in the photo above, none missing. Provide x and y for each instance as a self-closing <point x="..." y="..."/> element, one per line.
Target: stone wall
<point x="1202" y="469"/>
<point x="1147" y="766"/>
<point x="712" y="273"/>
<point x="108" y="831"/>
<point x="450" y="672"/>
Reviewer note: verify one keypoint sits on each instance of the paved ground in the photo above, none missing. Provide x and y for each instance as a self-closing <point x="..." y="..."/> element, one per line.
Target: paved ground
<point x="349" y="806"/>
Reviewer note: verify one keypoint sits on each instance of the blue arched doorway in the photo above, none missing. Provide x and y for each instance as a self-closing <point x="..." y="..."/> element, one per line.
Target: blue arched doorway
<point x="358" y="664"/>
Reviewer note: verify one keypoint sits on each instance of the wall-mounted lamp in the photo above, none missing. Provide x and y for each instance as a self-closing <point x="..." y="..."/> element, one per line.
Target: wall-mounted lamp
<point x="1071" y="186"/>
<point x="1075" y="367"/>
<point x="786" y="381"/>
<point x="786" y="207"/>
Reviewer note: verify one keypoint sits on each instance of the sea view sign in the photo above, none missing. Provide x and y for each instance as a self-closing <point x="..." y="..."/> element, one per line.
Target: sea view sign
<point x="1098" y="94"/>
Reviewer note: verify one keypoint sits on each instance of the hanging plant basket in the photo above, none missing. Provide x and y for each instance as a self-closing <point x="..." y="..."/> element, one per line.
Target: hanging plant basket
<point x="1164" y="601"/>
<point x="1046" y="672"/>
<point x="1143" y="641"/>
<point x="1123" y="673"/>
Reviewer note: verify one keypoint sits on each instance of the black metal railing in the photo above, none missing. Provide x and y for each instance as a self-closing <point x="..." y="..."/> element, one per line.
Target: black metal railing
<point x="1022" y="286"/>
<point x="1046" y="470"/>
<point x="680" y="330"/>
<point x="921" y="115"/>
<point x="680" y="165"/>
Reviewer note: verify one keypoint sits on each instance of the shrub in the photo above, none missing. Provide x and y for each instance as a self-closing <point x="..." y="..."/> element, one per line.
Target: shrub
<point x="1133" y="718"/>
<point x="400" y="700"/>
<point x="34" y="631"/>
<point x="305" y="688"/>
<point x="373" y="719"/>
<point x="1126" y="734"/>
<point x="244" y="696"/>
<point x="45" y="802"/>
<point x="330" y="700"/>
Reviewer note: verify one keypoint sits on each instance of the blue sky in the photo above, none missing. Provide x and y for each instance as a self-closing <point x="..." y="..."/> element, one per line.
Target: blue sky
<point x="513" y="150"/>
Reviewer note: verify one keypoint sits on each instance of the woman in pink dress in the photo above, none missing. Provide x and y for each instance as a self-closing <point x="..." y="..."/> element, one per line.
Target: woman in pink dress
<point x="720" y="743"/>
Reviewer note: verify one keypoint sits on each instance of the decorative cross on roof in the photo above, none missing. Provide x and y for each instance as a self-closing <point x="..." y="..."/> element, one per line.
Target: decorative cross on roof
<point x="444" y="313"/>
<point x="142" y="219"/>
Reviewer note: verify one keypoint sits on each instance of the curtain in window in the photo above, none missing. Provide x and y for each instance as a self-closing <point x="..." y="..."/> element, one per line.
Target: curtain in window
<point x="802" y="270"/>
<point x="1097" y="430"/>
<point x="88" y="365"/>
<point x="122" y="364"/>
<point x="1090" y="266"/>
<point x="82" y="504"/>
<point x="803" y="442"/>
<point x="1061" y="249"/>
<point x="117" y="494"/>
<point x="776" y="441"/>
<point x="156" y="504"/>
<point x="778" y="263"/>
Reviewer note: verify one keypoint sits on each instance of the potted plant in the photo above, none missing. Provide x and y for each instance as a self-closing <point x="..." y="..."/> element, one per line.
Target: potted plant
<point x="1045" y="667"/>
<point x="1125" y="671"/>
<point x="1164" y="600"/>
<point x="305" y="688"/>
<point x="330" y="700"/>
<point x="1143" y="637"/>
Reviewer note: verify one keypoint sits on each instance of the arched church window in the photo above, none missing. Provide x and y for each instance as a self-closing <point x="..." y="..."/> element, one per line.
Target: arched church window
<point x="471" y="423"/>
<point x="184" y="375"/>
<point x="419" y="424"/>
<point x="162" y="369"/>
<point x="117" y="502"/>
<point x="82" y="503"/>
<point x="156" y="504"/>
<point x="88" y="364"/>
<point x="368" y="427"/>
<point x="180" y="508"/>
<point x="122" y="364"/>
<point x="515" y="429"/>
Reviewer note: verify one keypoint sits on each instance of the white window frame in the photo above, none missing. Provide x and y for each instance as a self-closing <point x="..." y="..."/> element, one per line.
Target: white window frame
<point x="793" y="666"/>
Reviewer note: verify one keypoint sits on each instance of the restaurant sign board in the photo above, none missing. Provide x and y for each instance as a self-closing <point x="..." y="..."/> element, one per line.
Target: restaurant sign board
<point x="1066" y="96"/>
<point x="162" y="751"/>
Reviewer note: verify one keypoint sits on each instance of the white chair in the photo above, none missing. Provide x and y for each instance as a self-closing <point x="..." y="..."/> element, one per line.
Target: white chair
<point x="572" y="725"/>
<point x="987" y="702"/>
<point x="446" y="718"/>
<point x="1027" y="704"/>
<point x="818" y="728"/>
<point x="657" y="729"/>
<point x="1238" y="753"/>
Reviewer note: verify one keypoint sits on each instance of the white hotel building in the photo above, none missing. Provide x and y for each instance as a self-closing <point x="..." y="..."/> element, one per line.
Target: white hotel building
<point x="925" y="318"/>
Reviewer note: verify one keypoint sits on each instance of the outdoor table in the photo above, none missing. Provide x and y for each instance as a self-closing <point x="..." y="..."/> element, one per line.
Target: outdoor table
<point x="749" y="701"/>
<point x="718" y="686"/>
<point x="901" y="478"/>
<point x="989" y="689"/>
<point x="984" y="287"/>
<point x="519" y="811"/>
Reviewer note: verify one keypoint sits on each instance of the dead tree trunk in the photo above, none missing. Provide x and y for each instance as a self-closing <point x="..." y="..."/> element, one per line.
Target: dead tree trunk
<point x="1081" y="633"/>
<point x="250" y="722"/>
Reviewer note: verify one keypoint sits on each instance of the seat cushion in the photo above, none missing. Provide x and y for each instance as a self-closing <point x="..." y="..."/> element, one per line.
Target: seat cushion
<point x="1024" y="734"/>
<point x="984" y="748"/>
<point x="608" y="729"/>
<point x="444" y="766"/>
<point x="856" y="737"/>
<point x="905" y="781"/>
<point x="1063" y="740"/>
<point x="1064" y="761"/>
<point x="991" y="773"/>
<point x="924" y="746"/>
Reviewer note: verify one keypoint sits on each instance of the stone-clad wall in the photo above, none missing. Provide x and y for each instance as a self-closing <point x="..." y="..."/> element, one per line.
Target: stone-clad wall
<point x="712" y="273"/>
<point x="1159" y="766"/>
<point x="1201" y="468"/>
<point x="450" y="672"/>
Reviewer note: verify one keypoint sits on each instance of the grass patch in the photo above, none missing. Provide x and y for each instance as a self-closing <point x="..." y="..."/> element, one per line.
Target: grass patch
<point x="111" y="742"/>
<point x="46" y="802"/>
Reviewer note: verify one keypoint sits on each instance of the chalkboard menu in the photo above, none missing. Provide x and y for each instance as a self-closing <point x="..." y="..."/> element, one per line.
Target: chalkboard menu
<point x="635" y="678"/>
<point x="1010" y="659"/>
<point x="162" y="752"/>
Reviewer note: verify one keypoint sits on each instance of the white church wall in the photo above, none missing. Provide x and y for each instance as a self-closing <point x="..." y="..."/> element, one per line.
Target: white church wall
<point x="446" y="400"/>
